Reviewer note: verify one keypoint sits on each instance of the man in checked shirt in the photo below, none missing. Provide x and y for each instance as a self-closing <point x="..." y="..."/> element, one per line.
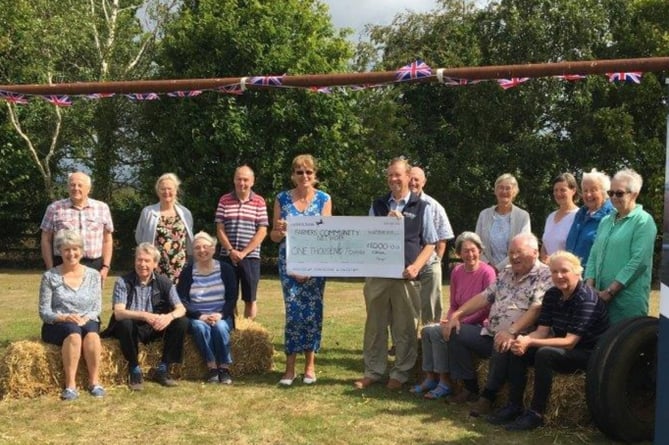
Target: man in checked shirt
<point x="90" y="217"/>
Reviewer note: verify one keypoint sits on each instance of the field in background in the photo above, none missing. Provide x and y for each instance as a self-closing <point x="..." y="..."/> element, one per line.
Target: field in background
<point x="253" y="410"/>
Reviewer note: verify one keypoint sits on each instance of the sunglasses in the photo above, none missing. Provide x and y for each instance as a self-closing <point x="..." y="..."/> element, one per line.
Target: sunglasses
<point x="304" y="172"/>
<point x="617" y="193"/>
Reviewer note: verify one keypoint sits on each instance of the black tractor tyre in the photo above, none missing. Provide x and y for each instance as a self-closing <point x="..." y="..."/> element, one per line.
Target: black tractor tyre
<point x="621" y="380"/>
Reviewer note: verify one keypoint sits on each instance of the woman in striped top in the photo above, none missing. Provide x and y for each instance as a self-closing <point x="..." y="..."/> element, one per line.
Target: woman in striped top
<point x="208" y="290"/>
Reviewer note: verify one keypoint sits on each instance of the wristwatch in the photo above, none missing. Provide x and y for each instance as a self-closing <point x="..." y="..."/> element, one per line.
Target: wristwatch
<point x="513" y="332"/>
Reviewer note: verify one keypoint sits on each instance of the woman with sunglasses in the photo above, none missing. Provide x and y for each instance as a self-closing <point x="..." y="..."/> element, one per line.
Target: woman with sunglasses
<point x="303" y="295"/>
<point x="596" y="205"/>
<point x="621" y="260"/>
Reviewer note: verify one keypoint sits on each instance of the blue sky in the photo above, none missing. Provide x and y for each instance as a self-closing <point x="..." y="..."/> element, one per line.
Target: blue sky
<point x="357" y="13"/>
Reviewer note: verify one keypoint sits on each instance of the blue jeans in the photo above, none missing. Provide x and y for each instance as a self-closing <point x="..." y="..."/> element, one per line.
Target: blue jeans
<point x="213" y="341"/>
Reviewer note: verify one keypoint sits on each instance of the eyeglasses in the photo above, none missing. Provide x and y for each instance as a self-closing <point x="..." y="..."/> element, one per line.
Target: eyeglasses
<point x="304" y="172"/>
<point x="617" y="193"/>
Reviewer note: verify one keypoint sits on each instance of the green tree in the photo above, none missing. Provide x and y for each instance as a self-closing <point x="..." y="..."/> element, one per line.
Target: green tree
<point x="467" y="136"/>
<point x="203" y="139"/>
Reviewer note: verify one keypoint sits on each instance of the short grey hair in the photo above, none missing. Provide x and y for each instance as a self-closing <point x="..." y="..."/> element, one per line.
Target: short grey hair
<point x="206" y="237"/>
<point x="87" y="178"/>
<point x="148" y="248"/>
<point x="168" y="177"/>
<point x="68" y="237"/>
<point x="572" y="259"/>
<point x="600" y="178"/>
<point x="529" y="239"/>
<point x="633" y="180"/>
<point x="468" y="236"/>
<point x="508" y="177"/>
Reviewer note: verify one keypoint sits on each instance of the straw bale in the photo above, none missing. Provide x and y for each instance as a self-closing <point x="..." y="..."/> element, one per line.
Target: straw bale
<point x="567" y="406"/>
<point x="30" y="368"/>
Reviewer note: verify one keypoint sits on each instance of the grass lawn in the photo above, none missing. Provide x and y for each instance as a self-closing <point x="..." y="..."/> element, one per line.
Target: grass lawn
<point x="253" y="410"/>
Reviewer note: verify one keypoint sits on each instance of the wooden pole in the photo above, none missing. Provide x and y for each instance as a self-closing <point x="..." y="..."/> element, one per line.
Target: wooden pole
<point x="650" y="64"/>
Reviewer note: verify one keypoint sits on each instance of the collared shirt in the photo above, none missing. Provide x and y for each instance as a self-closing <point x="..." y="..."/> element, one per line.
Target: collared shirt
<point x="241" y="220"/>
<point x="142" y="299"/>
<point x="92" y="221"/>
<point x="512" y="296"/>
<point x="429" y="232"/>
<point x="584" y="314"/>
<point x="440" y="218"/>
<point x="623" y="252"/>
<point x="57" y="298"/>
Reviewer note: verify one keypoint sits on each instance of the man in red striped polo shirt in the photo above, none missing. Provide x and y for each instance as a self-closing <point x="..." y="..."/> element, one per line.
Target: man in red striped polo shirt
<point x="241" y="226"/>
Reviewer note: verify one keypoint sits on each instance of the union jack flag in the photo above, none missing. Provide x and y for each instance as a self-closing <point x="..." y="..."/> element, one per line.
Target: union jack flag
<point x="231" y="89"/>
<point x="415" y="70"/>
<point x="513" y="82"/>
<point x="14" y="98"/>
<point x="267" y="81"/>
<point x="59" y="101"/>
<point x="99" y="95"/>
<point x="191" y="93"/>
<point x="324" y="90"/>
<point x="454" y="81"/>
<point x="143" y="96"/>
<point x="631" y="76"/>
<point x="570" y="77"/>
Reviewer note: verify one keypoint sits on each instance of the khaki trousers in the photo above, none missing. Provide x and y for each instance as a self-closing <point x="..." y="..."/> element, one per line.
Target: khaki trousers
<point x="391" y="303"/>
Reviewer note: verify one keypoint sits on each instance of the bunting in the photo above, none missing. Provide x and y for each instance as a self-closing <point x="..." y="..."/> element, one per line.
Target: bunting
<point x="632" y="77"/>
<point x="415" y="70"/>
<point x="412" y="71"/>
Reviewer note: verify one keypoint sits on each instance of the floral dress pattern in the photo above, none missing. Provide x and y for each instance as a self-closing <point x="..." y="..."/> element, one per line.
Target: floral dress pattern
<point x="170" y="240"/>
<point x="303" y="301"/>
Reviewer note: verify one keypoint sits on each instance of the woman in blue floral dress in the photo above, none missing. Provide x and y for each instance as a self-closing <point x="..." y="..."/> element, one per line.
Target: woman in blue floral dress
<point x="303" y="296"/>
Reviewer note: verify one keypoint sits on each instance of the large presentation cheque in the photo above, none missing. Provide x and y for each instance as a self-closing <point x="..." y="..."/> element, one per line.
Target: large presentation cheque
<point x="345" y="246"/>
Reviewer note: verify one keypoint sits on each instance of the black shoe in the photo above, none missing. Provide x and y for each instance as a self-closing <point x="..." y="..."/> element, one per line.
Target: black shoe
<point x="505" y="414"/>
<point x="164" y="378"/>
<point x="224" y="376"/>
<point x="136" y="381"/>
<point x="529" y="420"/>
<point x="212" y="376"/>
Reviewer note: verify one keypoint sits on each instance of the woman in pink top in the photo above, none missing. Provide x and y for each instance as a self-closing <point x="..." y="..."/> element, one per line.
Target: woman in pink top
<point x="467" y="280"/>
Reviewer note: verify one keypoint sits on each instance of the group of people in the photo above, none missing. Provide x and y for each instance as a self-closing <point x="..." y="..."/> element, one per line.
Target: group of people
<point x="177" y="285"/>
<point x="513" y="300"/>
<point x="519" y="304"/>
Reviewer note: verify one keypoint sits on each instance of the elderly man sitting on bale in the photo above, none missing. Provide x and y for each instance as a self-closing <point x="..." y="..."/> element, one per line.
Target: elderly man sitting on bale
<point x="572" y="319"/>
<point x="146" y="308"/>
<point x="515" y="299"/>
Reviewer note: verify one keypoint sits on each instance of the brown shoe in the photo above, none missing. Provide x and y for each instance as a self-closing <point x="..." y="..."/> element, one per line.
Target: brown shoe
<point x="394" y="384"/>
<point x="364" y="382"/>
<point x="481" y="407"/>
<point x="463" y="396"/>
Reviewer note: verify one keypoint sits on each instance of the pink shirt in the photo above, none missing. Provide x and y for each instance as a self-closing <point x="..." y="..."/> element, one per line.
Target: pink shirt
<point x="465" y="285"/>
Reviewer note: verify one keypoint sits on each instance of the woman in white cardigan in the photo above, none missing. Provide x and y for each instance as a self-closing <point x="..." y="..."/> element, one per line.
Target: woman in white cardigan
<point x="169" y="226"/>
<point x="496" y="225"/>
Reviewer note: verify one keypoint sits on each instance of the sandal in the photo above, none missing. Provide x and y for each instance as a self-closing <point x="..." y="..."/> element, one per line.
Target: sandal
<point x="437" y="393"/>
<point x="427" y="385"/>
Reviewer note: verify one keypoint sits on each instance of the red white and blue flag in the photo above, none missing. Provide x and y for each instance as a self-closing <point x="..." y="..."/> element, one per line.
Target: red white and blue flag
<point x="457" y="82"/>
<point x="415" y="70"/>
<point x="191" y="93"/>
<point x="631" y="76"/>
<point x="231" y="89"/>
<point x="513" y="82"/>
<point x="13" y="98"/>
<point x="100" y="96"/>
<point x="570" y="77"/>
<point x="266" y="81"/>
<point x="59" y="101"/>
<point x="143" y="96"/>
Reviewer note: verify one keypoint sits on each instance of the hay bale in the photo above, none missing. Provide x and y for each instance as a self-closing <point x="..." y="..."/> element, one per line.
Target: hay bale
<point x="30" y="368"/>
<point x="567" y="406"/>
